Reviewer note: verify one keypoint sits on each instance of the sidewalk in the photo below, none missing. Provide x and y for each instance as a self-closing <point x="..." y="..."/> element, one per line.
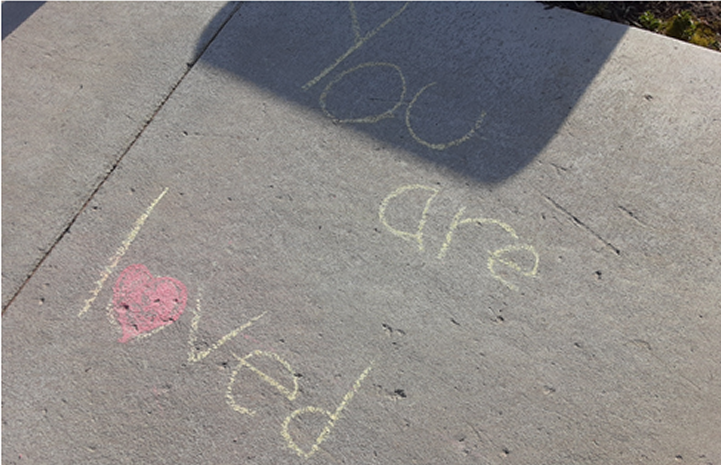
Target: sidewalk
<point x="358" y="233"/>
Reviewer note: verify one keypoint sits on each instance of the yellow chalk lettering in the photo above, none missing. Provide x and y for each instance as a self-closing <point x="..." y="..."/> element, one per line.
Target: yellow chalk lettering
<point x="332" y="418"/>
<point x="243" y="362"/>
<point x="457" y="222"/>
<point x="418" y="235"/>
<point x="371" y="118"/>
<point x="446" y="145"/>
<point x="449" y="234"/>
<point x="497" y="257"/>
<point x="194" y="355"/>
<point x="355" y="25"/>
<point x="358" y="42"/>
<point x="322" y="437"/>
<point x="124" y="246"/>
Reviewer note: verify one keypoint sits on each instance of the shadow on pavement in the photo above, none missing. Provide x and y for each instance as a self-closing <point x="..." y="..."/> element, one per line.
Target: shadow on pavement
<point x="480" y="88"/>
<point x="15" y="13"/>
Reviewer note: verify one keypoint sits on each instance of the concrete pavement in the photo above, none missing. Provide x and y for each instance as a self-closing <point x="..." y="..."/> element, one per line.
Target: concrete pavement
<point x="360" y="233"/>
<point x="80" y="82"/>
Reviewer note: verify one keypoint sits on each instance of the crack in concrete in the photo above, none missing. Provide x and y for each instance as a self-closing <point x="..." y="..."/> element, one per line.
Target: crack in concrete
<point x="632" y="215"/>
<point x="109" y="172"/>
<point x="582" y="225"/>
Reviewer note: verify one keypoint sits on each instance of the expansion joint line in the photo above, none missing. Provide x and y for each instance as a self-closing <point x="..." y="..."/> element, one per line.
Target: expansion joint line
<point x="583" y="225"/>
<point x="189" y="66"/>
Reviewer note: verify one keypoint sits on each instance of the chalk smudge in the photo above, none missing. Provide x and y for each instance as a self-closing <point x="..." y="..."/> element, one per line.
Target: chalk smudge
<point x="143" y="303"/>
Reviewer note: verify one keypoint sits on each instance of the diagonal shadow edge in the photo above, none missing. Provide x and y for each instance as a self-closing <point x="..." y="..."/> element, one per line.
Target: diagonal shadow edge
<point x="479" y="88"/>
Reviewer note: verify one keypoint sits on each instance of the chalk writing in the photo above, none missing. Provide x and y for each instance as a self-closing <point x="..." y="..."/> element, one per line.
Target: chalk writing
<point x="143" y="303"/>
<point x="195" y="355"/>
<point x="105" y="274"/>
<point x="503" y="256"/>
<point x="243" y="362"/>
<point x="371" y="118"/>
<point x="357" y="43"/>
<point x="355" y="25"/>
<point x="290" y="393"/>
<point x="333" y="417"/>
<point x="496" y="257"/>
<point x="418" y="235"/>
<point x="442" y="146"/>
<point x="457" y="222"/>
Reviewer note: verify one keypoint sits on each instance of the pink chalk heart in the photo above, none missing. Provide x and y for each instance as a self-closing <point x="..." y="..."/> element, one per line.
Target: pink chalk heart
<point x="143" y="303"/>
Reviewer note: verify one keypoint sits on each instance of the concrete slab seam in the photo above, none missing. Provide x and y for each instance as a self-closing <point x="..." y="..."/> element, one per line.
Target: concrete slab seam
<point x="189" y="67"/>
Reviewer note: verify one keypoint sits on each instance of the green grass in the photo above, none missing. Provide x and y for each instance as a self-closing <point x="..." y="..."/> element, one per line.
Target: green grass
<point x="682" y="26"/>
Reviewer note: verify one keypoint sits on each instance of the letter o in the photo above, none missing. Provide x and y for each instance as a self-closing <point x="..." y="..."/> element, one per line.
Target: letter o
<point x="446" y="145"/>
<point x="370" y="118"/>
